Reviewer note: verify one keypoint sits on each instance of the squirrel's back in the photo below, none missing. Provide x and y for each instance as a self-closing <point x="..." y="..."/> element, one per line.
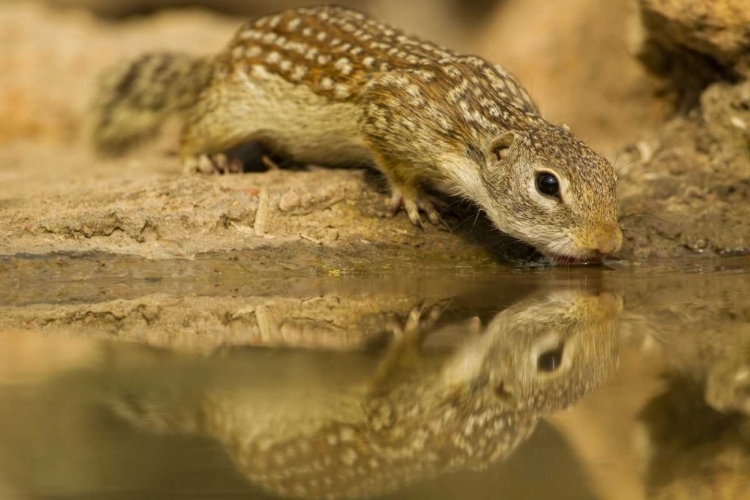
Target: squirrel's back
<point x="331" y="51"/>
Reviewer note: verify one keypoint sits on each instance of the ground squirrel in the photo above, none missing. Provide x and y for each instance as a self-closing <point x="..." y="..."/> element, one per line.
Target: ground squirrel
<point x="328" y="85"/>
<point x="332" y="425"/>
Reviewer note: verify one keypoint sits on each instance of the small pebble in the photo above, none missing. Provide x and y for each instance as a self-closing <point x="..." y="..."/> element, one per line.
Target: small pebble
<point x="738" y="122"/>
<point x="289" y="201"/>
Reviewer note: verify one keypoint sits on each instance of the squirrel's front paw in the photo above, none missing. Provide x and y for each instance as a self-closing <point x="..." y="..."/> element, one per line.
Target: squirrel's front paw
<point x="216" y="164"/>
<point x="414" y="201"/>
<point x="420" y="321"/>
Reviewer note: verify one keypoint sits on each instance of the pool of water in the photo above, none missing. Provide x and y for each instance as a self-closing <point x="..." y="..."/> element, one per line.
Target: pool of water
<point x="125" y="378"/>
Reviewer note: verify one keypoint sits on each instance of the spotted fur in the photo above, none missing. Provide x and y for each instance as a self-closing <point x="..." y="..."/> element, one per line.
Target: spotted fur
<point x="329" y="85"/>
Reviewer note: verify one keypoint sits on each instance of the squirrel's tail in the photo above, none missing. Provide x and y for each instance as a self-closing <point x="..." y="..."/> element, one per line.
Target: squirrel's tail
<point x="134" y="99"/>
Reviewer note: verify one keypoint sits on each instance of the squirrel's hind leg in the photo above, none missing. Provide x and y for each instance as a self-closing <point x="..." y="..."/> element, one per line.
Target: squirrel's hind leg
<point x="218" y="163"/>
<point x="220" y="121"/>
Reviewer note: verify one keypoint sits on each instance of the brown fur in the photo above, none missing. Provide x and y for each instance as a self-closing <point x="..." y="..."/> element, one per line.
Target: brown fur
<point x="328" y="85"/>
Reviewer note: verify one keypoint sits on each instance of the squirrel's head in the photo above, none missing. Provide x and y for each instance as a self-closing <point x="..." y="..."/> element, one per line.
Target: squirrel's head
<point x="547" y="188"/>
<point x="543" y="354"/>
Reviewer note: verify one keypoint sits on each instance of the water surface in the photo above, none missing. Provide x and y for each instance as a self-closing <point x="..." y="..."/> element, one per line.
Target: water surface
<point x="125" y="378"/>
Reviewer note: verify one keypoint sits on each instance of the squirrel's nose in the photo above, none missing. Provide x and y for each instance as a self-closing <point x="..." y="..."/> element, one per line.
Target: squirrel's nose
<point x="607" y="245"/>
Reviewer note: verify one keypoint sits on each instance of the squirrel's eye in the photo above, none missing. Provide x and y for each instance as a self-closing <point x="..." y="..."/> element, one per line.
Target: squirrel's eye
<point x="548" y="185"/>
<point x="550" y="361"/>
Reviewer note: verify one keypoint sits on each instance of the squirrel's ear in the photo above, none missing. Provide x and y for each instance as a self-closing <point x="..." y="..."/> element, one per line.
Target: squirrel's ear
<point x="499" y="147"/>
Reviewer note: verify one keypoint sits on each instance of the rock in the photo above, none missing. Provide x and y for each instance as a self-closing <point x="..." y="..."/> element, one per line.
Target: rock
<point x="289" y="201"/>
<point x="716" y="28"/>
<point x="695" y="42"/>
<point x="149" y="209"/>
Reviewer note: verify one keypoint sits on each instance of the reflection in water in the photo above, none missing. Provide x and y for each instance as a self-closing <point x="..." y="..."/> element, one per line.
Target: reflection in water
<point x="696" y="432"/>
<point x="684" y="389"/>
<point x="311" y="424"/>
<point x="693" y="450"/>
<point x="702" y="329"/>
<point x="243" y="388"/>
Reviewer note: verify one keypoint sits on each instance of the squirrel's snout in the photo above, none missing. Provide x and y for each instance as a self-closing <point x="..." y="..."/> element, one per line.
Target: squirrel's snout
<point x="610" y="243"/>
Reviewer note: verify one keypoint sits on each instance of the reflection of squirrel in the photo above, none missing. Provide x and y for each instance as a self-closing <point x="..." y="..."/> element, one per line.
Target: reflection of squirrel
<point x="304" y="426"/>
<point x="327" y="85"/>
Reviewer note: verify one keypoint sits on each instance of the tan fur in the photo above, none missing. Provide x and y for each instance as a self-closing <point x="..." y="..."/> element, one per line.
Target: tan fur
<point x="331" y="86"/>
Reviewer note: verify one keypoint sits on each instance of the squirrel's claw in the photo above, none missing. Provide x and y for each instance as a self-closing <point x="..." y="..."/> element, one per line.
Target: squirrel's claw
<point x="420" y="321"/>
<point x="216" y="164"/>
<point x="413" y="205"/>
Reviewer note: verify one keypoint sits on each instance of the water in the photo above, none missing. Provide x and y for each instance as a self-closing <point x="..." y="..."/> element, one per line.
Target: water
<point x="124" y="378"/>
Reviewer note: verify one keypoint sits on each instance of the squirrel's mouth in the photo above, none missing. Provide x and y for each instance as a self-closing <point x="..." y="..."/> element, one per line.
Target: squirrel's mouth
<point x="570" y="260"/>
